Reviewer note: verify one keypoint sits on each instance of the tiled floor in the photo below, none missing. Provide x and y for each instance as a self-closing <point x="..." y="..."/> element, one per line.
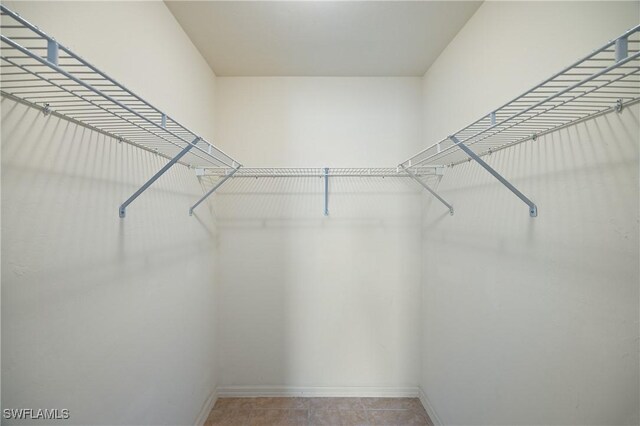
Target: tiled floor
<point x="318" y="411"/>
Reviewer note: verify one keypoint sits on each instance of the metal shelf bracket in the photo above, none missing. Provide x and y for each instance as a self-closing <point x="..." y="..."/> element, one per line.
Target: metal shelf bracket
<point x="533" y="209"/>
<point x="621" y="48"/>
<point x="215" y="187"/>
<point x="326" y="191"/>
<point x="53" y="52"/>
<point x="428" y="188"/>
<point x="174" y="160"/>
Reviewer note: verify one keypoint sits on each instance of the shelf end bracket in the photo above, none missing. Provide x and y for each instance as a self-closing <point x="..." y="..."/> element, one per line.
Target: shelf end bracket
<point x="427" y="187"/>
<point x="52" y="51"/>
<point x="533" y="209"/>
<point x="215" y="187"/>
<point x="174" y="160"/>
<point x="621" y="49"/>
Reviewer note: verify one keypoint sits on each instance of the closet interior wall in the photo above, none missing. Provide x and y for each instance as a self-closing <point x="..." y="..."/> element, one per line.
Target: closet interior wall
<point x="112" y="319"/>
<point x="259" y="293"/>
<point x="324" y="305"/>
<point x="527" y="318"/>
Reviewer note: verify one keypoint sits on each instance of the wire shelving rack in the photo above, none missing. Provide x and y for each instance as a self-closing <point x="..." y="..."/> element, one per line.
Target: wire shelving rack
<point x="39" y="71"/>
<point x="319" y="172"/>
<point x="607" y="79"/>
<point x="218" y="176"/>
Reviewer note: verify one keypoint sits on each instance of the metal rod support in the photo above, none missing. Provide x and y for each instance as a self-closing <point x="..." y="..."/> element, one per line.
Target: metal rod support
<point x="425" y="186"/>
<point x="326" y="191"/>
<point x="212" y="190"/>
<point x="533" y="210"/>
<point x="155" y="177"/>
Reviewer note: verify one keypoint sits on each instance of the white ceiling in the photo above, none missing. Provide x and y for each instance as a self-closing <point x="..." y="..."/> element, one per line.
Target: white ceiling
<point x="321" y="38"/>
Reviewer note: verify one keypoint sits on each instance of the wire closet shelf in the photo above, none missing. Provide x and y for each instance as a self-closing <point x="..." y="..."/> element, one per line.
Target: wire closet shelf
<point x="43" y="73"/>
<point x="318" y="172"/>
<point x="607" y="79"/>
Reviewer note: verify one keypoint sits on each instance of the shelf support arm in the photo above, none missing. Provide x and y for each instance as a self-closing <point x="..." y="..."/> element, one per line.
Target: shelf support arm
<point x="174" y="160"/>
<point x="326" y="191"/>
<point x="212" y="190"/>
<point x="428" y="188"/>
<point x="533" y="209"/>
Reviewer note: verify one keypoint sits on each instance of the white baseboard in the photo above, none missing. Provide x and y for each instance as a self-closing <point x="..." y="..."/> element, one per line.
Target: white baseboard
<point x="429" y="408"/>
<point x="320" y="391"/>
<point x="206" y="408"/>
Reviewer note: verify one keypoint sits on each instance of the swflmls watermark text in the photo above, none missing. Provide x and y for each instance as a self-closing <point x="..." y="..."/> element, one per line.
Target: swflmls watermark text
<point x="35" y="413"/>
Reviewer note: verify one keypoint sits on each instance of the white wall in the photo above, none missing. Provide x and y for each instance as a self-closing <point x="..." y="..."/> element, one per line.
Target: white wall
<point x="112" y="319"/>
<point x="308" y="301"/>
<point x="116" y="320"/>
<point x="532" y="321"/>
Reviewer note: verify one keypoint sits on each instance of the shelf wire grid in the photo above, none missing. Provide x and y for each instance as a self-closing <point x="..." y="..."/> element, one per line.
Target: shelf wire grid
<point x="298" y="191"/>
<point x="39" y="71"/>
<point x="319" y="172"/>
<point x="599" y="83"/>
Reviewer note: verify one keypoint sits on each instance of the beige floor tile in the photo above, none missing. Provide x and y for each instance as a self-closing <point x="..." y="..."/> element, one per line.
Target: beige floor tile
<point x="397" y="417"/>
<point x="281" y="403"/>
<point x="335" y="403"/>
<point x="228" y="417"/>
<point x="354" y="418"/>
<point x="391" y="403"/>
<point x="234" y="403"/>
<point x="324" y="418"/>
<point x="421" y="410"/>
<point x="279" y="417"/>
<point x="338" y="417"/>
<point x="318" y="411"/>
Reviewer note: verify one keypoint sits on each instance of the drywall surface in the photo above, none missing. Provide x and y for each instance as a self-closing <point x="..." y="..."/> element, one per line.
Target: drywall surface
<point x="532" y="321"/>
<point x="309" y="301"/>
<point x="108" y="318"/>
